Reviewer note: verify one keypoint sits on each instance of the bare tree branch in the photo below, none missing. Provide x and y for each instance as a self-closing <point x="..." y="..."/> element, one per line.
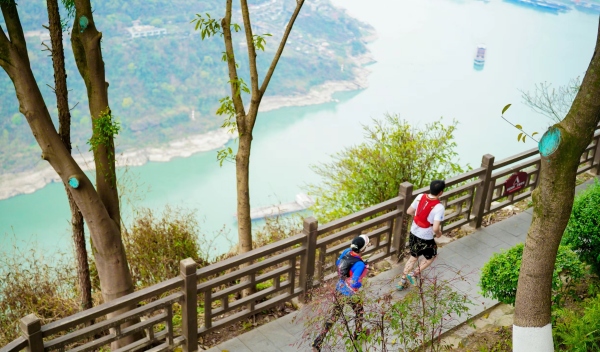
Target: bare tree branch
<point x="553" y="103"/>
<point x="233" y="76"/>
<point x="548" y="100"/>
<point x="284" y="39"/>
<point x="251" y="52"/>
<point x="60" y="74"/>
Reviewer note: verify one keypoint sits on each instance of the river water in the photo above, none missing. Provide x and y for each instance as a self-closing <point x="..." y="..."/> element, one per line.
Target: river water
<point x="424" y="71"/>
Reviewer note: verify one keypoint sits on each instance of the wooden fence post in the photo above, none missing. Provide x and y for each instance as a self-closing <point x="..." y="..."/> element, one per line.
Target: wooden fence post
<point x="187" y="269"/>
<point x="401" y="222"/>
<point x="481" y="192"/>
<point x="596" y="161"/>
<point x="31" y="329"/>
<point x="309" y="258"/>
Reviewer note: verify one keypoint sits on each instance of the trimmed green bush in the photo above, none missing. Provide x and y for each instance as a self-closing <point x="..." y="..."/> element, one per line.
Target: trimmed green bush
<point x="582" y="233"/>
<point x="500" y="275"/>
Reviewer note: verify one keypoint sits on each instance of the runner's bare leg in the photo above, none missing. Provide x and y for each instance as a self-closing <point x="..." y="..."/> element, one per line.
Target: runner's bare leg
<point x="424" y="264"/>
<point x="410" y="264"/>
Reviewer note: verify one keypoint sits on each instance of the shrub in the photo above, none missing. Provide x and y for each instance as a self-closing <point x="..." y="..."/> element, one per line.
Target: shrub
<point x="155" y="245"/>
<point x="499" y="276"/>
<point x="578" y="331"/>
<point x="371" y="173"/>
<point x="583" y="230"/>
<point x="276" y="229"/>
<point x="413" y="323"/>
<point x="30" y="283"/>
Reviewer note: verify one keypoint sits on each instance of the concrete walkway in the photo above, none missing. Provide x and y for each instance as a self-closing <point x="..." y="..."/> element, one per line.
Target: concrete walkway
<point x="467" y="254"/>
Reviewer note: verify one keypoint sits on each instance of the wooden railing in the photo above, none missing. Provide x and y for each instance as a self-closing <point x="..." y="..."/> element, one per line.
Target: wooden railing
<point x="279" y="271"/>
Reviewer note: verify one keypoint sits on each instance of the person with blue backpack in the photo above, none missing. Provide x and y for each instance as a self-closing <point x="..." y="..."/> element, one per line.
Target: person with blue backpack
<point x="351" y="270"/>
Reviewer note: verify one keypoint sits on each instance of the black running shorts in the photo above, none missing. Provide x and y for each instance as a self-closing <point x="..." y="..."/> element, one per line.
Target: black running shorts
<point x="419" y="246"/>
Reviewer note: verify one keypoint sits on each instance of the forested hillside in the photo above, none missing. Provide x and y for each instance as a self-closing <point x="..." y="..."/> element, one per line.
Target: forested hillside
<point x="156" y="82"/>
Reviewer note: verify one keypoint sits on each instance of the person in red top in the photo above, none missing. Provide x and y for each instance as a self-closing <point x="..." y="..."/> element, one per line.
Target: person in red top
<point x="428" y="213"/>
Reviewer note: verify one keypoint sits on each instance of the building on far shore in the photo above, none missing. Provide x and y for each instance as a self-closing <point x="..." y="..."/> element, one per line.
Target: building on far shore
<point x="138" y="30"/>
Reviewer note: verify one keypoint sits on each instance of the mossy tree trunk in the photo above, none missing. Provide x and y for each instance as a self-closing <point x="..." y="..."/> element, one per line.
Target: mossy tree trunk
<point x="115" y="278"/>
<point x="86" y="43"/>
<point x="560" y="148"/>
<point x="64" y="130"/>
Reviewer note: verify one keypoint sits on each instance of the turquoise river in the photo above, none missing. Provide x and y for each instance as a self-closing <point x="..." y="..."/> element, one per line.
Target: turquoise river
<point x="423" y="71"/>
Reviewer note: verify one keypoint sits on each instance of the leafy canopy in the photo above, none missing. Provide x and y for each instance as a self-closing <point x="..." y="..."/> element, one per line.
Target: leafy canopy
<point x="371" y="172"/>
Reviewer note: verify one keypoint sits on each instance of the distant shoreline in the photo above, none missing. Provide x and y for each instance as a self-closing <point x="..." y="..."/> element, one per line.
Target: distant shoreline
<point x="13" y="184"/>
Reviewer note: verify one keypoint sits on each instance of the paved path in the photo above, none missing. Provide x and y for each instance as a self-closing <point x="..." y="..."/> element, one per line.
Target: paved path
<point x="467" y="254"/>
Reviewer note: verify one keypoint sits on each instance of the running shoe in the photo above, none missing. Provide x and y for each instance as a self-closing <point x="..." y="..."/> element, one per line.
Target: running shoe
<point x="402" y="284"/>
<point x="411" y="279"/>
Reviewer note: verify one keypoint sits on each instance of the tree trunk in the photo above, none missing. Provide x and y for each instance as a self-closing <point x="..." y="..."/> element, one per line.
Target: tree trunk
<point x="86" y="43"/>
<point x="560" y="148"/>
<point x="83" y="268"/>
<point x="242" y="175"/>
<point x="64" y="129"/>
<point x="115" y="278"/>
<point x="245" y="122"/>
<point x="85" y="40"/>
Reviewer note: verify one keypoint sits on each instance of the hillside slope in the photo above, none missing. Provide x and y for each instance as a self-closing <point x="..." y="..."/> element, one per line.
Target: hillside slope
<point x="156" y="82"/>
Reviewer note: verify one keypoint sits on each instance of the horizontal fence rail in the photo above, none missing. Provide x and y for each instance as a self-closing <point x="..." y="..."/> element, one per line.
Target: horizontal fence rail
<point x="239" y="287"/>
<point x="280" y="271"/>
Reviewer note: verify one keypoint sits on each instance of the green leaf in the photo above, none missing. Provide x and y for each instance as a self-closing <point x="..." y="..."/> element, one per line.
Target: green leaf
<point x="259" y="41"/>
<point x="533" y="134"/>
<point x="506" y="108"/>
<point x="524" y="139"/>
<point x="519" y="137"/>
<point x="519" y="127"/>
<point x="225" y="154"/>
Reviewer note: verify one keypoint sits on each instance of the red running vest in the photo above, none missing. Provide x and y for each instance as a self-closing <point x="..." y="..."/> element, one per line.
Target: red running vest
<point x="423" y="209"/>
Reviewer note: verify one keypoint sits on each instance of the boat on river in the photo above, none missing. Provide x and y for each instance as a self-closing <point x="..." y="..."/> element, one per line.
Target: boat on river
<point x="303" y="202"/>
<point x="479" y="56"/>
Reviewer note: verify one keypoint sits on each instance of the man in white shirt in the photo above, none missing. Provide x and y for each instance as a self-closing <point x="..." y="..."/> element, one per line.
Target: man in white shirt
<point x="428" y="213"/>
